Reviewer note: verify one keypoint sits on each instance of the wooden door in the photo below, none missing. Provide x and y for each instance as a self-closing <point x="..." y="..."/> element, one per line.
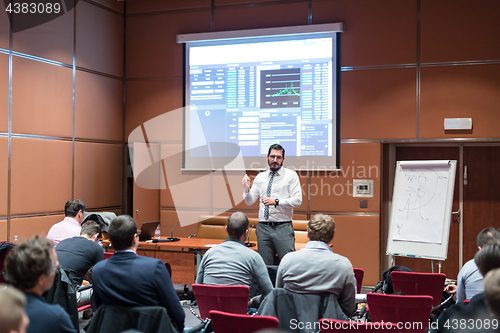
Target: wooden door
<point x="450" y="266"/>
<point x="481" y="207"/>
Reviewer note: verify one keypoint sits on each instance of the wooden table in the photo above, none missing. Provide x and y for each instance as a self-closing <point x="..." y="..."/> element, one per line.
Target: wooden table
<point x="183" y="255"/>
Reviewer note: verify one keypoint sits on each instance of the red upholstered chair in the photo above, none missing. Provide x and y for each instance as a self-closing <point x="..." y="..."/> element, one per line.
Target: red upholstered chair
<point x="328" y="325"/>
<point x="224" y="322"/>
<point x="358" y="274"/>
<point x="411" y="283"/>
<point x="107" y="255"/>
<point x="233" y="299"/>
<point x="412" y="311"/>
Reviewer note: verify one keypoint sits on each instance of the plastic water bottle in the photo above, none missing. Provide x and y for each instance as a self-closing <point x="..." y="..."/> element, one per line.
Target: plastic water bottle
<point x="16" y="240"/>
<point x="157" y="232"/>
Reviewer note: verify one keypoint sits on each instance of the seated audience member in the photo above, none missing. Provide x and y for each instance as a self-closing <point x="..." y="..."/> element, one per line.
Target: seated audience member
<point x="13" y="318"/>
<point x="78" y="254"/>
<point x="31" y="267"/>
<point x="470" y="280"/>
<point x="71" y="225"/>
<point x="316" y="269"/>
<point x="492" y="291"/>
<point x="127" y="279"/>
<point x="487" y="259"/>
<point x="232" y="263"/>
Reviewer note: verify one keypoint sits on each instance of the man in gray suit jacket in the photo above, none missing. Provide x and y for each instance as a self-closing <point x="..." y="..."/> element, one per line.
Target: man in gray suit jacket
<point x="316" y="269"/>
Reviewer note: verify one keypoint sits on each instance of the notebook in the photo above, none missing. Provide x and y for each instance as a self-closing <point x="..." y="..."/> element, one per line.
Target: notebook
<point x="147" y="230"/>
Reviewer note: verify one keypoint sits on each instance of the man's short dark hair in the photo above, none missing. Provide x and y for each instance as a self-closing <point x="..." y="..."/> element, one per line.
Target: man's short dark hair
<point x="90" y="228"/>
<point x="237" y="225"/>
<point x="276" y="147"/>
<point x="28" y="261"/>
<point x="488" y="258"/>
<point x="73" y="206"/>
<point x="487" y="236"/>
<point x="122" y="230"/>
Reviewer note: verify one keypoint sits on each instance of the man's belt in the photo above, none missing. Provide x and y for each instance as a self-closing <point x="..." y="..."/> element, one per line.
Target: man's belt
<point x="274" y="224"/>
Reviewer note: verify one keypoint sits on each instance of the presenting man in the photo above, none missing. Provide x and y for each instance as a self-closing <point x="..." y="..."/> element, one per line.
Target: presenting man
<point x="127" y="279"/>
<point x="72" y="223"/>
<point x="316" y="269"/>
<point x="279" y="191"/>
<point x="232" y="263"/>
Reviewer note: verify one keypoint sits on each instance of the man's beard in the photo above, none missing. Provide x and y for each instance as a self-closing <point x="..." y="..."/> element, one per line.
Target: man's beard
<point x="274" y="166"/>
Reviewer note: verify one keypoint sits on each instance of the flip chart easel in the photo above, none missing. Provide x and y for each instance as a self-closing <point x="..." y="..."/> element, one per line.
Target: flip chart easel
<point x="420" y="218"/>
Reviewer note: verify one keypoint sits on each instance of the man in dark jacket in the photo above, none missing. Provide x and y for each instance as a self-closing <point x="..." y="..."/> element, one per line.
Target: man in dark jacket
<point x="31" y="267"/>
<point x="127" y="279"/>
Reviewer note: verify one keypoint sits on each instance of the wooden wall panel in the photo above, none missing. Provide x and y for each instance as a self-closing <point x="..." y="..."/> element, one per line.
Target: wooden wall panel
<point x="379" y="32"/>
<point x="378" y="104"/>
<point x="98" y="174"/>
<point x="32" y="111"/>
<point x="349" y="230"/>
<point x="98" y="107"/>
<point x="267" y="16"/>
<point x="238" y="2"/>
<point x="3" y="230"/>
<point x="4" y="167"/>
<point x="4" y="92"/>
<point x="52" y="40"/>
<point x="112" y="4"/>
<point x="4" y="31"/>
<point x="99" y="39"/>
<point x="189" y="190"/>
<point x="332" y="191"/>
<point x="459" y="30"/>
<point x="220" y="193"/>
<point x="28" y="227"/>
<point x="145" y="6"/>
<point x="152" y="49"/>
<point x="170" y="217"/>
<point x="460" y="92"/>
<point x="148" y="99"/>
<point x="41" y="175"/>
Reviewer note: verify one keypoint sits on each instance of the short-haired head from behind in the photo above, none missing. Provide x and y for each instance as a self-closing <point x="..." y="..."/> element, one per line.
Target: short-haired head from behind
<point x="122" y="231"/>
<point x="13" y="317"/>
<point x="90" y="229"/>
<point x="487" y="236"/>
<point x="492" y="291"/>
<point x="28" y="261"/>
<point x="321" y="228"/>
<point x="73" y="206"/>
<point x="488" y="258"/>
<point x="237" y="225"/>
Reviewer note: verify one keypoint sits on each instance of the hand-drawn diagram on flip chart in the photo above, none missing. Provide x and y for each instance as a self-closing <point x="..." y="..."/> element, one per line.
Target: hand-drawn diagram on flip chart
<point x="421" y="205"/>
<point x="421" y="208"/>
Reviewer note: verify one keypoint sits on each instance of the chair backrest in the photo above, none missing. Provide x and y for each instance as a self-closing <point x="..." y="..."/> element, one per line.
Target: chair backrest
<point x="358" y="274"/>
<point x="233" y="299"/>
<point x="413" y="311"/>
<point x="224" y="322"/>
<point x="107" y="255"/>
<point x="328" y="325"/>
<point x="411" y="283"/>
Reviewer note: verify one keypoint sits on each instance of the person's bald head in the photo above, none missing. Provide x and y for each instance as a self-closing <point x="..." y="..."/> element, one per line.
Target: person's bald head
<point x="237" y="225"/>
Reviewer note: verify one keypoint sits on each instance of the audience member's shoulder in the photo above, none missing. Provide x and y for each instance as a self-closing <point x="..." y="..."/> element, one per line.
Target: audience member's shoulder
<point x="341" y="260"/>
